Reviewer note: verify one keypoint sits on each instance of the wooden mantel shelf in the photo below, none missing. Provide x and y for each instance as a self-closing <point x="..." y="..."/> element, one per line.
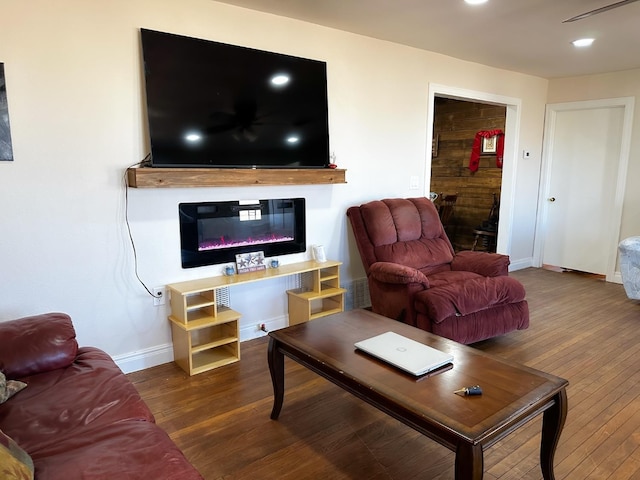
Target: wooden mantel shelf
<point x="147" y="177"/>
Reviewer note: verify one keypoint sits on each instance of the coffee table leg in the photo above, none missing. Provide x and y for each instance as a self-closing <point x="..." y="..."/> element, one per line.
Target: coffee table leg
<point x="276" y="368"/>
<point x="552" y="424"/>
<point x="469" y="462"/>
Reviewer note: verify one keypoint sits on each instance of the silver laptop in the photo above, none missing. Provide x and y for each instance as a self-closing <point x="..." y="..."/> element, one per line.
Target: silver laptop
<point x="404" y="353"/>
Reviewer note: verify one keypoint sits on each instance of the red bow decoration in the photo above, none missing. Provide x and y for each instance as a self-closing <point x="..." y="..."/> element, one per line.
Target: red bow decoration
<point x="474" y="161"/>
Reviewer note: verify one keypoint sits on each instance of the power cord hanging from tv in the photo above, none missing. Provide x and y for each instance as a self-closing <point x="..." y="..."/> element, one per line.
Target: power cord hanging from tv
<point x="145" y="161"/>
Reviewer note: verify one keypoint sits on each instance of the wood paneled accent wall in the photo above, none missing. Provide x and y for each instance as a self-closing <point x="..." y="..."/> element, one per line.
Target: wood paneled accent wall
<point x="455" y="125"/>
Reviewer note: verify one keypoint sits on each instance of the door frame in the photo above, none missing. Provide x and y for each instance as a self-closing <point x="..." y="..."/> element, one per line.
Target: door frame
<point x="510" y="165"/>
<point x="551" y="114"/>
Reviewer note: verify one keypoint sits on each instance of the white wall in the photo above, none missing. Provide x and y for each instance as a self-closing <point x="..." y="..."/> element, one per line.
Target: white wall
<point x="75" y="100"/>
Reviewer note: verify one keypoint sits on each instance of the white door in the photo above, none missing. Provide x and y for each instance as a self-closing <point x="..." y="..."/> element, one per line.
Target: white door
<point x="583" y="168"/>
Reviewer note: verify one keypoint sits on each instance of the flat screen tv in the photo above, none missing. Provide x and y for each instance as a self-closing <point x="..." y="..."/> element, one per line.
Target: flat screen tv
<point x="211" y="104"/>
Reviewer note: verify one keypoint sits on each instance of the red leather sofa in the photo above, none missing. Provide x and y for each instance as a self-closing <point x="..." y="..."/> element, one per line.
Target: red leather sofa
<point x="79" y="417"/>
<point x="416" y="277"/>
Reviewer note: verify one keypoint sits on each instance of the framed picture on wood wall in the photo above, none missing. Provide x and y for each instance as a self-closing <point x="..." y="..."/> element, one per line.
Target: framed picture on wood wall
<point x="434" y="145"/>
<point x="489" y="145"/>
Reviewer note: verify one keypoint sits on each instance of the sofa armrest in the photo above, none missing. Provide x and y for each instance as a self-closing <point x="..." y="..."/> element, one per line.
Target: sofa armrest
<point x="482" y="263"/>
<point x="36" y="344"/>
<point x="387" y="272"/>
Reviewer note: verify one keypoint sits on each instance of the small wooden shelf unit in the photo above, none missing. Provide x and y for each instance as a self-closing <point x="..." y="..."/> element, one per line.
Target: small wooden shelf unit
<point x="206" y="334"/>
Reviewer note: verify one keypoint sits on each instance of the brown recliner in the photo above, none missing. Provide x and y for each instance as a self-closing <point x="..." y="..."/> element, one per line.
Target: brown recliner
<point x="416" y="277"/>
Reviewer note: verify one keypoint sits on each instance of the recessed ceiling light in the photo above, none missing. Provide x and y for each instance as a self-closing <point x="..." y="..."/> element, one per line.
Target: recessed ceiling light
<point x="475" y="2"/>
<point x="582" y="42"/>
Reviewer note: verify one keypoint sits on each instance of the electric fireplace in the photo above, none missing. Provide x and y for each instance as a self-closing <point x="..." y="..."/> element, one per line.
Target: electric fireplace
<point x="215" y="232"/>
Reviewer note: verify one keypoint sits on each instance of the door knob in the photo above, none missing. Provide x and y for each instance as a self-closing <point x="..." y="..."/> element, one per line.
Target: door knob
<point x="552" y="199"/>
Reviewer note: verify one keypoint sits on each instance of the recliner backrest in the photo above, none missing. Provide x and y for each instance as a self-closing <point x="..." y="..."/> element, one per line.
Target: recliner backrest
<point x="404" y="231"/>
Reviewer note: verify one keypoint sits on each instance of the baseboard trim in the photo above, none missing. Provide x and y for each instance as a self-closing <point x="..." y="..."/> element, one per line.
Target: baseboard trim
<point x="617" y="278"/>
<point x="521" y="264"/>
<point x="150" y="357"/>
<point x="153" y="356"/>
<point x="249" y="332"/>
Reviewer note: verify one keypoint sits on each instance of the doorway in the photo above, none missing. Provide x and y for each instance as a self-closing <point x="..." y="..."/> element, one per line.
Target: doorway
<point x="512" y="126"/>
<point x="585" y="158"/>
<point x="468" y="200"/>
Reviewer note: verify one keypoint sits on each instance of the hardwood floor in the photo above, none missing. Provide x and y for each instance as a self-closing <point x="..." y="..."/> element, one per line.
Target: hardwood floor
<point x="582" y="329"/>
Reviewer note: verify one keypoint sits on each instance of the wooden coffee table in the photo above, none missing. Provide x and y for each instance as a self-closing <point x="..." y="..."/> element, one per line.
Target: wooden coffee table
<point x="512" y="394"/>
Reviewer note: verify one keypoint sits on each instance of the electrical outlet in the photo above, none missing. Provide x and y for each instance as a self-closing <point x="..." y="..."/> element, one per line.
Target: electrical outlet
<point x="159" y="296"/>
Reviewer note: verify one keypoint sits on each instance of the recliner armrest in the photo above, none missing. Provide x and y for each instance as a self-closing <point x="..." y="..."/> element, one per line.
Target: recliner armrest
<point x="36" y="344"/>
<point x="482" y="263"/>
<point x="388" y="272"/>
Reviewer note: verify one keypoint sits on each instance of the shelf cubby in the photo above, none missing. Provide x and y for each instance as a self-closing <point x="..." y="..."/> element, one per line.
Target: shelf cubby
<point x="321" y="296"/>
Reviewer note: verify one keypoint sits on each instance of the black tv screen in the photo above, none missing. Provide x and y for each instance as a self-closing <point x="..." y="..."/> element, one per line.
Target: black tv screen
<point x="211" y="104"/>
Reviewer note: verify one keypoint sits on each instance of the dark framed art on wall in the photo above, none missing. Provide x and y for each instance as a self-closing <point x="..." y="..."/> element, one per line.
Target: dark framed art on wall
<point x="6" y="150"/>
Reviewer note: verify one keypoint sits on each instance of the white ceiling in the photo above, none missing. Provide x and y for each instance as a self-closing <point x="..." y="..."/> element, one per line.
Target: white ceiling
<point x="526" y="36"/>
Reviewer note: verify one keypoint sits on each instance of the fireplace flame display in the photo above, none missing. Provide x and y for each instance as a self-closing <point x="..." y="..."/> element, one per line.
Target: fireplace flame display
<point x="230" y="243"/>
<point x="215" y="232"/>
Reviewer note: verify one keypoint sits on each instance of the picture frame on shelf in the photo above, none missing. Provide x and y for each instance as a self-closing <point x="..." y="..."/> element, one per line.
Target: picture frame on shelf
<point x="250" y="262"/>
